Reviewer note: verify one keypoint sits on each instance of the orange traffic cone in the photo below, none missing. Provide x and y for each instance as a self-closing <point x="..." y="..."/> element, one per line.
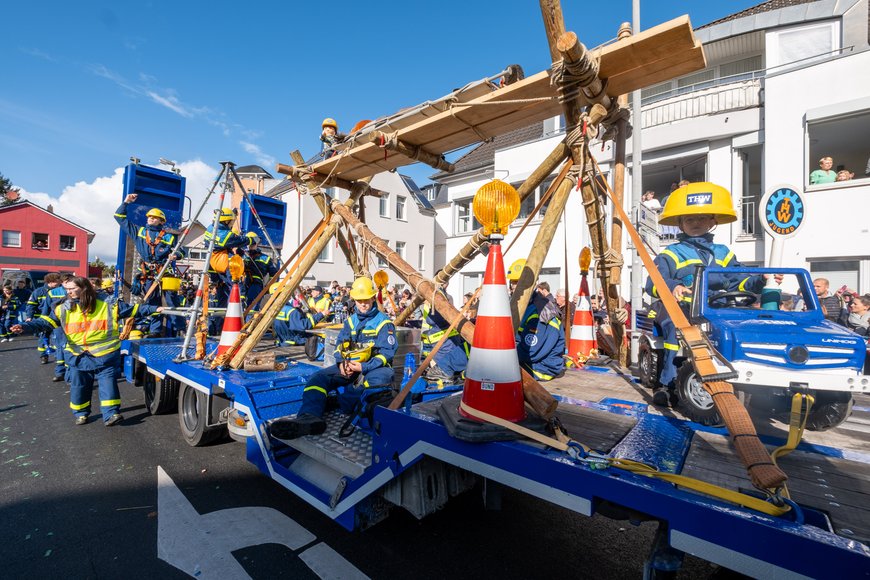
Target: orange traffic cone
<point x="232" y="322"/>
<point x="582" y="345"/>
<point x="493" y="383"/>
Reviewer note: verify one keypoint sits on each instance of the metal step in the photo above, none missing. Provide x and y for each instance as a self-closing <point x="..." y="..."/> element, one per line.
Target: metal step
<point x="350" y="456"/>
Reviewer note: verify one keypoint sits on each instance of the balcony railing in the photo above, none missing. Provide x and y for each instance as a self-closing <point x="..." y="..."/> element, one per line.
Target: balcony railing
<point x="749" y="221"/>
<point x="733" y="96"/>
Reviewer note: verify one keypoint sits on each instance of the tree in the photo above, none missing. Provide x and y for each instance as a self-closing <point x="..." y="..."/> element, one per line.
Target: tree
<point x="9" y="194"/>
<point x="98" y="264"/>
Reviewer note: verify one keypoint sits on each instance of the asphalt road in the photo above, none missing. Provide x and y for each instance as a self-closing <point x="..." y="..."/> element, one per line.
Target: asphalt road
<point x="82" y="502"/>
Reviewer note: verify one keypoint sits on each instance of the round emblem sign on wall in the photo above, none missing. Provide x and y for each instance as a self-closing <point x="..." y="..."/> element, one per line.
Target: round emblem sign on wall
<point x="782" y="211"/>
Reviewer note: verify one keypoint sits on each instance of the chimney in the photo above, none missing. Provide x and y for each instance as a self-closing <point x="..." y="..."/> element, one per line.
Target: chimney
<point x="50" y="208"/>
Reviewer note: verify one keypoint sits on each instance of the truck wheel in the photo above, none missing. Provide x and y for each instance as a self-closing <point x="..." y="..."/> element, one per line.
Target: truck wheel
<point x="647" y="365"/>
<point x="312" y="344"/>
<point x="829" y="410"/>
<point x="161" y="395"/>
<point x="193" y="417"/>
<point x="695" y="402"/>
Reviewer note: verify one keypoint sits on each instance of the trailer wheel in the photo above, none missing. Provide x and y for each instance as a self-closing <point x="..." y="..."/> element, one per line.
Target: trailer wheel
<point x="193" y="417"/>
<point x="647" y="365"/>
<point x="829" y="410"/>
<point x="695" y="402"/>
<point x="161" y="395"/>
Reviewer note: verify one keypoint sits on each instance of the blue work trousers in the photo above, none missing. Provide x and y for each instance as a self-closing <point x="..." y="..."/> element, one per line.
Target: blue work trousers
<point x="59" y="339"/>
<point x="84" y="369"/>
<point x="451" y="357"/>
<point x="330" y="379"/>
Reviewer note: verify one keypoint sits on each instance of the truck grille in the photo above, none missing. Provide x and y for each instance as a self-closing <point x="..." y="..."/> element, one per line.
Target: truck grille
<point x="778" y="354"/>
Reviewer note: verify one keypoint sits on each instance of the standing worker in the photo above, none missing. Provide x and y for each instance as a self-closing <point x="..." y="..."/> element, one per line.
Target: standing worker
<point x="92" y="329"/>
<point x="319" y="301"/>
<point x="226" y="243"/>
<point x="10" y="304"/>
<point x="365" y="349"/>
<point x="259" y="268"/>
<point x="154" y="245"/>
<point x="34" y="307"/>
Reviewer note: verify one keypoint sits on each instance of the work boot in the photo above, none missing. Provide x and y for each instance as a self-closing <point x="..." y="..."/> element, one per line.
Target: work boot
<point x="114" y="419"/>
<point x="660" y="396"/>
<point x="81" y="419"/>
<point x="435" y="373"/>
<point x="56" y="379"/>
<point x="43" y="359"/>
<point x="304" y="424"/>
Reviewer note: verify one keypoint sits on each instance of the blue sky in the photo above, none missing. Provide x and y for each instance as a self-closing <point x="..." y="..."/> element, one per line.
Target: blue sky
<point x="88" y="84"/>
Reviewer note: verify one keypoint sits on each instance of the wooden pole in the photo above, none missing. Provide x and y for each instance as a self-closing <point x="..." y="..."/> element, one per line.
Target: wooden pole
<point x="300" y="173"/>
<point x="472" y="247"/>
<point x="391" y="142"/>
<point x="619" y="191"/>
<point x="536" y="396"/>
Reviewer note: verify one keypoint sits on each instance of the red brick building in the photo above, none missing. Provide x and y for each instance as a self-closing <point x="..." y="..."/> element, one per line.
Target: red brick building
<point x="38" y="240"/>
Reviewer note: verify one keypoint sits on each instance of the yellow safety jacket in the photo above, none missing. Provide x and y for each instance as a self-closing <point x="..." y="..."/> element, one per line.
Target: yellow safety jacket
<point x="321" y="305"/>
<point x="97" y="333"/>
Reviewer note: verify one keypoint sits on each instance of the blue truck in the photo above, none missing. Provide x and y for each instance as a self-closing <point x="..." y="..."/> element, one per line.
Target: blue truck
<point x="775" y="352"/>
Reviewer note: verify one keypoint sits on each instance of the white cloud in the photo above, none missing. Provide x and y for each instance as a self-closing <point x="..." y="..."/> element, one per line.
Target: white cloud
<point x="262" y="158"/>
<point x="91" y="205"/>
<point x="170" y="102"/>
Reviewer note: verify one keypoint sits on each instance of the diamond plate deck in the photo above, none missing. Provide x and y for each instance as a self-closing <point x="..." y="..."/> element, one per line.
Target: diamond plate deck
<point x="349" y="456"/>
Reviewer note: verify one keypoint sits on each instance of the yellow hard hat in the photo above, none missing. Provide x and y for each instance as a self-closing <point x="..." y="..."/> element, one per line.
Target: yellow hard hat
<point x="513" y="273"/>
<point x="227" y="215"/>
<point x="255" y="239"/>
<point x="699" y="198"/>
<point x="156" y="213"/>
<point x="274" y="287"/>
<point x="136" y="335"/>
<point x="107" y="283"/>
<point x="363" y="288"/>
<point x="329" y="122"/>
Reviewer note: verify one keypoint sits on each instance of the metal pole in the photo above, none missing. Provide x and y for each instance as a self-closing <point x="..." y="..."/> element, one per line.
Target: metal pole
<point x="254" y="212"/>
<point x="636" y="194"/>
<point x="197" y="301"/>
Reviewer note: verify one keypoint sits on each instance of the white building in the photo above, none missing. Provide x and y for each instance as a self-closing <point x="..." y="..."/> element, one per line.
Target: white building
<point x="403" y="217"/>
<point x="786" y="83"/>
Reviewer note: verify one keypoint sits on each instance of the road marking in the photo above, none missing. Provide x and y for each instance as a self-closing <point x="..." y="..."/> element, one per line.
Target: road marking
<point x="202" y="545"/>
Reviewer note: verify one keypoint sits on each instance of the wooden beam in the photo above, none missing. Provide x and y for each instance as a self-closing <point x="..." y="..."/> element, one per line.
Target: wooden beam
<point x="391" y="142"/>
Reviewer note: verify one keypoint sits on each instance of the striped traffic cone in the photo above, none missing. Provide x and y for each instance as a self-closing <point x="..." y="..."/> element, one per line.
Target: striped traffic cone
<point x="493" y="383"/>
<point x="582" y="345"/>
<point x="232" y="322"/>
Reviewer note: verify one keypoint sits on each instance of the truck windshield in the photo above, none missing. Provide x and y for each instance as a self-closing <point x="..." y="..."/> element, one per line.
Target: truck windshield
<point x="788" y="295"/>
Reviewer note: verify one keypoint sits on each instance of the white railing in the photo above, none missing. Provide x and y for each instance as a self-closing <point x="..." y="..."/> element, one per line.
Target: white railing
<point x="719" y="99"/>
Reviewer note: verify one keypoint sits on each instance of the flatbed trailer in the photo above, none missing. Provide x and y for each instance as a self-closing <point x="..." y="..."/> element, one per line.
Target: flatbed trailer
<point x="407" y="458"/>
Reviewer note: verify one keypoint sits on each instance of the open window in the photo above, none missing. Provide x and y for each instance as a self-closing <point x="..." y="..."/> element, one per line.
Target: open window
<point x="842" y="138"/>
<point x="39" y="241"/>
<point x="67" y="243"/>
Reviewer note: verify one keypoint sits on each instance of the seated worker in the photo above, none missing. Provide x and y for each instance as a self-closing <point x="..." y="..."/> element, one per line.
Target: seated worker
<point x="367" y="328"/>
<point x="452" y="358"/>
<point x="154" y="245"/>
<point x="226" y="243"/>
<point x="34" y="308"/>
<point x="319" y="301"/>
<point x="329" y="137"/>
<point x="540" y="337"/>
<point x="259" y="269"/>
<point x="292" y="322"/>
<point x="696" y="209"/>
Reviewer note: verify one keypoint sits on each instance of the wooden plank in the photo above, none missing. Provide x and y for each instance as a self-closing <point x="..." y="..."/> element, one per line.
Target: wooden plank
<point x="655" y="55"/>
<point x="681" y="63"/>
<point x="600" y="430"/>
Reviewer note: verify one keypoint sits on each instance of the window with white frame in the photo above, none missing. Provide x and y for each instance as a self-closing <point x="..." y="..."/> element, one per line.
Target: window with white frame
<point x="381" y="262"/>
<point x="400" y="208"/>
<point x="67" y="243"/>
<point x="465" y="223"/>
<point x="39" y="241"/>
<point x="384" y="207"/>
<point x="400" y="249"/>
<point x="841" y="139"/>
<point x="801" y="45"/>
<point x="326" y="253"/>
<point x="421" y="257"/>
<point x="11" y="239"/>
<point x="471" y="282"/>
<point x="839" y="272"/>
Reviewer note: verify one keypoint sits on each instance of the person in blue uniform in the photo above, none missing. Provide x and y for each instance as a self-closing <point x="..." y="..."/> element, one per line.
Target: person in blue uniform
<point x="259" y="269"/>
<point x="227" y="242"/>
<point x="695" y="208"/>
<point x="292" y="322"/>
<point x="450" y="361"/>
<point x="10" y="304"/>
<point x="34" y="306"/>
<point x="367" y="328"/>
<point x="91" y="327"/>
<point x="54" y="297"/>
<point x="154" y="244"/>
<point x="540" y="336"/>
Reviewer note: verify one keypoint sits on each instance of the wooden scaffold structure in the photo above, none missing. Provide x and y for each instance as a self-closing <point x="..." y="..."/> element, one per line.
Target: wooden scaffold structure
<point x="588" y="88"/>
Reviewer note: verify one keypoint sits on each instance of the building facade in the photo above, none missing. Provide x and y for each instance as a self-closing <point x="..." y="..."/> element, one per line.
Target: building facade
<point x="39" y="241"/>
